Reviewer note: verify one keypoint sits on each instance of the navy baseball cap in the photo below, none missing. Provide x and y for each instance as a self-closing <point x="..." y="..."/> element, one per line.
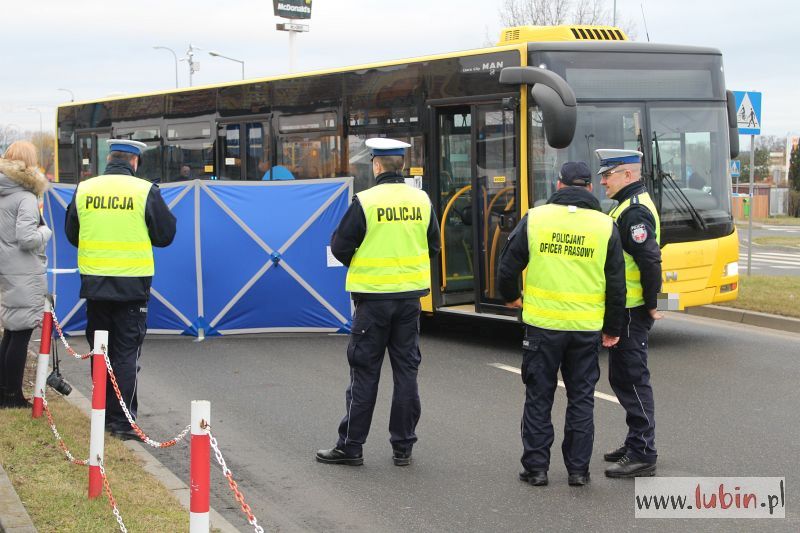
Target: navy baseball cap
<point x="575" y="173"/>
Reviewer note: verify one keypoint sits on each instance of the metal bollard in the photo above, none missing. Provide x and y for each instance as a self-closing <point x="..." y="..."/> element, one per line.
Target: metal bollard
<point x="42" y="360"/>
<point x="200" y="471"/>
<point x="97" y="435"/>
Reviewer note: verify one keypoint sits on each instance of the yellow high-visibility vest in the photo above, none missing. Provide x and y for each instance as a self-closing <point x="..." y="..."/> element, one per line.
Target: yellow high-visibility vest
<point x="565" y="288"/>
<point x="633" y="277"/>
<point x="394" y="254"/>
<point x="113" y="238"/>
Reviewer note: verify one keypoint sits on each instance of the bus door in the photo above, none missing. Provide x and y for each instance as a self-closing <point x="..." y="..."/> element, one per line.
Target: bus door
<point x="92" y="152"/>
<point x="478" y="205"/>
<point x="244" y="147"/>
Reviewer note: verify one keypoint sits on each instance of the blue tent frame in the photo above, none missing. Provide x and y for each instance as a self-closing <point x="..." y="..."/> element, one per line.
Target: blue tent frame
<point x="248" y="257"/>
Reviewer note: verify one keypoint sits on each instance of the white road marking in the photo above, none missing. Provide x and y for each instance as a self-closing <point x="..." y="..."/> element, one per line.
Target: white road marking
<point x="773" y="261"/>
<point x="784" y="229"/>
<point x="774" y="254"/>
<point x="515" y="370"/>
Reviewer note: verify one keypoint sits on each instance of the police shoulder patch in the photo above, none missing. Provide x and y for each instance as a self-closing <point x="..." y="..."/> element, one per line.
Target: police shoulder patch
<point x="639" y="233"/>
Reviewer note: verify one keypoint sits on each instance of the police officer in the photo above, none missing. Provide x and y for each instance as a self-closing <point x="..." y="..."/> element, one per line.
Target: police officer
<point x="114" y="220"/>
<point x="637" y="219"/>
<point x="574" y="289"/>
<point x="386" y="238"/>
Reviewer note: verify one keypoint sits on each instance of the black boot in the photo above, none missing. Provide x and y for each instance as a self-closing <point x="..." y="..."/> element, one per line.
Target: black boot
<point x="628" y="467"/>
<point x="16" y="401"/>
<point x="335" y="456"/>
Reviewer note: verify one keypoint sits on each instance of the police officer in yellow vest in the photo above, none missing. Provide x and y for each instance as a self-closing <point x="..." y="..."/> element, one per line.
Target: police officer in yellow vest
<point x="114" y="220"/>
<point x="639" y="227"/>
<point x="574" y="289"/>
<point x="386" y="238"/>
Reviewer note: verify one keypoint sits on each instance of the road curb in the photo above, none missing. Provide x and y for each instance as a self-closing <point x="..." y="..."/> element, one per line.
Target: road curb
<point x="751" y="318"/>
<point x="14" y="517"/>
<point x="154" y="467"/>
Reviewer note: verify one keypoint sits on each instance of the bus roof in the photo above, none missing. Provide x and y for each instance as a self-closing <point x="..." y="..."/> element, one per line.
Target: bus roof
<point x="618" y="46"/>
<point x="365" y="66"/>
<point x="532" y="46"/>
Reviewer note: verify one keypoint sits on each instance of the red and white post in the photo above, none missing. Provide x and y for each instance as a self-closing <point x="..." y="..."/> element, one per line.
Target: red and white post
<point x="97" y="435"/>
<point x="200" y="482"/>
<point x="42" y="360"/>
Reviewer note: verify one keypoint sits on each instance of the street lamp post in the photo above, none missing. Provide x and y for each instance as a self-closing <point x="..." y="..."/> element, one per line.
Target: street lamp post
<point x="216" y="54"/>
<point x="41" y="135"/>
<point x="175" y="56"/>
<point x="71" y="94"/>
<point x="194" y="66"/>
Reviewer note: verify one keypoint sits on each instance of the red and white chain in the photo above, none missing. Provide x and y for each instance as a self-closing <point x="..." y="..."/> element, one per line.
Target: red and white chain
<point x="69" y="349"/>
<point x="251" y="519"/>
<point x="142" y="435"/>
<point x="111" y="499"/>
<point x="59" y="439"/>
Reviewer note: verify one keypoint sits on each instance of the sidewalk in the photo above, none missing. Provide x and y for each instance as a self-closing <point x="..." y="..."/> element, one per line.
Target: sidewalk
<point x="751" y="318"/>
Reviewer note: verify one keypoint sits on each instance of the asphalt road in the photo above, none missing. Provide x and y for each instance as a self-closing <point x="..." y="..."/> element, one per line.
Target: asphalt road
<point x="727" y="402"/>
<point x="767" y="259"/>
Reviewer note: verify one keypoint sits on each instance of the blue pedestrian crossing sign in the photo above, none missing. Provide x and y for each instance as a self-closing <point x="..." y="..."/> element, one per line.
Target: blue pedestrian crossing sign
<point x="736" y="168"/>
<point x="748" y="112"/>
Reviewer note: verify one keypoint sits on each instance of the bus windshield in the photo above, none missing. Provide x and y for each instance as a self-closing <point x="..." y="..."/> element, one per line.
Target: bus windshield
<point x="629" y="99"/>
<point x="693" y="146"/>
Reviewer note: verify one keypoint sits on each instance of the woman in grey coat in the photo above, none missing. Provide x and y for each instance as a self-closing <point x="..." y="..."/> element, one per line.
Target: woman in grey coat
<point x="23" y="285"/>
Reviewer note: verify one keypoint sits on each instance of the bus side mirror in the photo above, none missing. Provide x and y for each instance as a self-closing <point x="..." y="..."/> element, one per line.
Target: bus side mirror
<point x="554" y="97"/>
<point x="733" y="127"/>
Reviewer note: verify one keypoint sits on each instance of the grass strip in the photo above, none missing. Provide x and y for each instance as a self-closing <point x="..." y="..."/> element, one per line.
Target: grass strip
<point x="778" y="241"/>
<point x="778" y="295"/>
<point x="54" y="491"/>
<point x="772" y="221"/>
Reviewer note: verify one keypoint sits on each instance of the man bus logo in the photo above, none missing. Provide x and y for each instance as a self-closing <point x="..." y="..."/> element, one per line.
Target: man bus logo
<point x="491" y="67"/>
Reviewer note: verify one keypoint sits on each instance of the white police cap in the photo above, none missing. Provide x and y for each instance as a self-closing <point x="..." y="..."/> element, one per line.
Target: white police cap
<point x="611" y="158"/>
<point x="380" y="146"/>
<point x="126" y="145"/>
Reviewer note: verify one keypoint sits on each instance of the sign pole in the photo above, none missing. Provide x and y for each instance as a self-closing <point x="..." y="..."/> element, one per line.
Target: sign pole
<point x="291" y="51"/>
<point x="748" y="122"/>
<point x="750" y="217"/>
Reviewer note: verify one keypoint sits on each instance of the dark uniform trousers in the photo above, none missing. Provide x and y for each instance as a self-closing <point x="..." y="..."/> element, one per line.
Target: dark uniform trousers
<point x="576" y="353"/>
<point x="126" y="326"/>
<point x="630" y="380"/>
<point x="379" y="325"/>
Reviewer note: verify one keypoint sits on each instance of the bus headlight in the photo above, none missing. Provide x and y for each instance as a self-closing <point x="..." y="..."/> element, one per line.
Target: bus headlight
<point x="731" y="269"/>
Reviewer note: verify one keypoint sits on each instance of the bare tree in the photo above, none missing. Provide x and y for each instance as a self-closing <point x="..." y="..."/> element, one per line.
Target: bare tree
<point x="558" y="12"/>
<point x="591" y="12"/>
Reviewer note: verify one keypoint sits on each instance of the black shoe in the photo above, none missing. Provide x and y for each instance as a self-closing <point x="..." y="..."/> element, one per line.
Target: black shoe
<point x="579" y="480"/>
<point x="537" y="478"/>
<point x="13" y="401"/>
<point x="335" y="456"/>
<point x="125" y="434"/>
<point x="401" y="458"/>
<point x="615" y="455"/>
<point x="627" y="467"/>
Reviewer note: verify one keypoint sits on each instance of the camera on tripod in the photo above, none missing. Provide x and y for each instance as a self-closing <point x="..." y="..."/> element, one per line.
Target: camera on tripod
<point x="58" y="383"/>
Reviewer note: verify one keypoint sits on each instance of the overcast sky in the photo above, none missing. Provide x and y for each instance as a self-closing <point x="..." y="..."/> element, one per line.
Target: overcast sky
<point x="96" y="48"/>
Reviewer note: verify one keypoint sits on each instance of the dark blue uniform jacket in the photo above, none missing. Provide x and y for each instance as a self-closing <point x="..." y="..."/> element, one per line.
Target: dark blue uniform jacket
<point x="514" y="258"/>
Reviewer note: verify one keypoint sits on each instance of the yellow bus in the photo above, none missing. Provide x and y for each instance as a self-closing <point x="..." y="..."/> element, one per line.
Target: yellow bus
<point x="489" y="130"/>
